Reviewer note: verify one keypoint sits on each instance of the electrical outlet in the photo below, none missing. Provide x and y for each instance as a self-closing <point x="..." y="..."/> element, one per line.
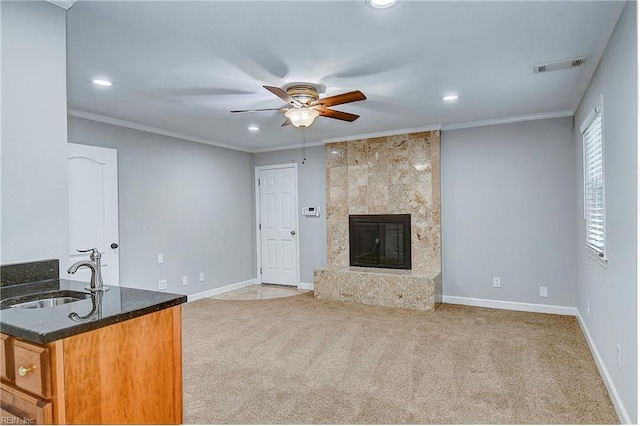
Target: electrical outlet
<point x="160" y="258"/>
<point x="185" y="280"/>
<point x="201" y="276"/>
<point x="496" y="282"/>
<point x="162" y="285"/>
<point x="619" y="357"/>
<point x="588" y="306"/>
<point x="544" y="292"/>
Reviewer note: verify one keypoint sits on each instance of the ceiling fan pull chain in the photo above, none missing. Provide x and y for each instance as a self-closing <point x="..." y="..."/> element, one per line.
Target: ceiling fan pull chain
<point x="304" y="149"/>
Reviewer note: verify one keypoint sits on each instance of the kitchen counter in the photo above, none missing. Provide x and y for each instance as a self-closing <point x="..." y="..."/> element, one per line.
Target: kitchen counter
<point x="49" y="324"/>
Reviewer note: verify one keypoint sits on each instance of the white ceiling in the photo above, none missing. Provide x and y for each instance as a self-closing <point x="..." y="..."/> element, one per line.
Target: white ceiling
<point x="180" y="67"/>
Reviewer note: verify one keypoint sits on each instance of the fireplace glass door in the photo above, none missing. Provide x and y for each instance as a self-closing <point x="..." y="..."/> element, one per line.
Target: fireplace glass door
<point x="380" y="241"/>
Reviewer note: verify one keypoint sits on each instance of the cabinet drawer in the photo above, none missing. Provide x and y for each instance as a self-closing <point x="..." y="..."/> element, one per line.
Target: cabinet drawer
<point x="31" y="368"/>
<point x="6" y="357"/>
<point x="21" y="408"/>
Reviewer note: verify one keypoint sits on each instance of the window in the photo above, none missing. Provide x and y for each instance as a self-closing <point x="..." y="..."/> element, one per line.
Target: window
<point x="594" y="201"/>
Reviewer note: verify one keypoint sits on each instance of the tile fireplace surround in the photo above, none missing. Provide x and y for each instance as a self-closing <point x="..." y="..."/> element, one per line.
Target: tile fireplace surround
<point x="397" y="174"/>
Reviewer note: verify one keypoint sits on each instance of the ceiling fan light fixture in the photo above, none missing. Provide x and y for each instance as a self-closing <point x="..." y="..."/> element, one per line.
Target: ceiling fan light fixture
<point x="380" y="4"/>
<point x="301" y="117"/>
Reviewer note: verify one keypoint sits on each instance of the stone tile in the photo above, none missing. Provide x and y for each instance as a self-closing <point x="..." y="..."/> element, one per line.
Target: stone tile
<point x="378" y="195"/>
<point x="398" y="194"/>
<point x="437" y="290"/>
<point x="260" y="292"/>
<point x="403" y="173"/>
<point x="336" y="154"/>
<point x="397" y="149"/>
<point x="348" y="286"/>
<point x="377" y="151"/>
<point x="368" y="288"/>
<point x="325" y="285"/>
<point x="358" y="176"/>
<point x="391" y="292"/>
<point x="358" y="153"/>
<point x="358" y="196"/>
<point x="359" y="210"/>
<point x="423" y="135"/>
<point x="338" y="196"/>
<point x="337" y="176"/>
<point x="420" y="195"/>
<point x="415" y="293"/>
<point x="378" y="174"/>
<point x="384" y="209"/>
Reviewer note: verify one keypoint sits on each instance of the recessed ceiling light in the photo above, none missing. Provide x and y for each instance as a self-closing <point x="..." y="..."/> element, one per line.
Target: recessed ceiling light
<point x="253" y="128"/>
<point x="380" y="4"/>
<point x="102" y="83"/>
<point x="450" y="98"/>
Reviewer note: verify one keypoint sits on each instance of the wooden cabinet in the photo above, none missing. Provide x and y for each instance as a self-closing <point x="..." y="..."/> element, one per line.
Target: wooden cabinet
<point x="6" y="358"/>
<point x="128" y="372"/>
<point x="23" y="408"/>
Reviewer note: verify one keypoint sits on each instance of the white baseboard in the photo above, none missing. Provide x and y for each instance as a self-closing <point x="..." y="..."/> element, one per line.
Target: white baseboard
<point x="305" y="286"/>
<point x="621" y="411"/>
<point x="511" y="306"/>
<point x="219" y="290"/>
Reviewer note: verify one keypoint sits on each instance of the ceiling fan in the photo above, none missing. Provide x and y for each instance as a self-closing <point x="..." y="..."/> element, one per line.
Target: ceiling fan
<point x="306" y="105"/>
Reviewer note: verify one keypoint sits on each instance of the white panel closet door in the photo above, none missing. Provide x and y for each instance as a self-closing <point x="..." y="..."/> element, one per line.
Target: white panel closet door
<point x="278" y="226"/>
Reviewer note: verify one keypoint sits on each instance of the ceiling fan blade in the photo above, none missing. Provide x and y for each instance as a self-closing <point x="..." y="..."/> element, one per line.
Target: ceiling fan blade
<point x="344" y="98"/>
<point x="259" y="110"/>
<point x="287" y="122"/>
<point x="282" y="95"/>
<point x="339" y="115"/>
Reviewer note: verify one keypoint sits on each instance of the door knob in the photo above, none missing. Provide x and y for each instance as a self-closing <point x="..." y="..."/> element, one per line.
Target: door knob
<point x="114" y="245"/>
<point x="293" y="232"/>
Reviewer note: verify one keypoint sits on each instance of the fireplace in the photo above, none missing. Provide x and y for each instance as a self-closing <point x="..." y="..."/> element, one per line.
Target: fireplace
<point x="380" y="241"/>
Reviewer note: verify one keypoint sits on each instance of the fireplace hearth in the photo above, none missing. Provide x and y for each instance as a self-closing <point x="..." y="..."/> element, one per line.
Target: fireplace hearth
<point x="380" y="241"/>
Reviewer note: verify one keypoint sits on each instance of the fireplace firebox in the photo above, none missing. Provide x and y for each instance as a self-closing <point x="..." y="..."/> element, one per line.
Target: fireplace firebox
<point x="380" y="240"/>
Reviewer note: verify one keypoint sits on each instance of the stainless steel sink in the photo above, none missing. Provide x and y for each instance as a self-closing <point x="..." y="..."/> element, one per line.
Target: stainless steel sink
<point x="48" y="299"/>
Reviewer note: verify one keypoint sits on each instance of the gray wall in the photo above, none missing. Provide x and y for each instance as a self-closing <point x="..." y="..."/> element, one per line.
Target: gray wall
<point x="34" y="132"/>
<point x="612" y="292"/>
<point x="311" y="192"/>
<point x="508" y="197"/>
<point x="189" y="201"/>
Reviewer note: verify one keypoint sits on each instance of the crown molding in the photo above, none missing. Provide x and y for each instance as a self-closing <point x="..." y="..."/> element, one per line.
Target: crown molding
<point x="455" y="126"/>
<point x="508" y="120"/>
<point x="65" y="4"/>
<point x="285" y="147"/>
<point x="150" y="129"/>
<point x="385" y="133"/>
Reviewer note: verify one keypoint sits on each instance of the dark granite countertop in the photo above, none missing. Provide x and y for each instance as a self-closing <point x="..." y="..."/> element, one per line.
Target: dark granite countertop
<point x="45" y="325"/>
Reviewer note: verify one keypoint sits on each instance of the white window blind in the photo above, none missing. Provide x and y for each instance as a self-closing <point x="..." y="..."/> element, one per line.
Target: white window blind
<point x="594" y="205"/>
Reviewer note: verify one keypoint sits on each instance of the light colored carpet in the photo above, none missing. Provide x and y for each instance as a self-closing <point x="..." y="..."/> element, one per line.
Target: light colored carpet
<point x="298" y="360"/>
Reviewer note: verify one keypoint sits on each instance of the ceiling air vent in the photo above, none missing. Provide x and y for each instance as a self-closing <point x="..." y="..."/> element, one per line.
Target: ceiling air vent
<point x="562" y="65"/>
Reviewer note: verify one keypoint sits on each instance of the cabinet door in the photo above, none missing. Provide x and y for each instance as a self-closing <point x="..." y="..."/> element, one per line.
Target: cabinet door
<point x="21" y="408"/>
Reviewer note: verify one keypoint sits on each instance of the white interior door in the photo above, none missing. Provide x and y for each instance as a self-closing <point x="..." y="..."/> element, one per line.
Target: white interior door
<point x="93" y="209"/>
<point x="278" y="224"/>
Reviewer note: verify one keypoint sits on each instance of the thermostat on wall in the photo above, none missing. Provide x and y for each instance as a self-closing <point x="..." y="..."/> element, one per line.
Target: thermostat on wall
<point x="311" y="211"/>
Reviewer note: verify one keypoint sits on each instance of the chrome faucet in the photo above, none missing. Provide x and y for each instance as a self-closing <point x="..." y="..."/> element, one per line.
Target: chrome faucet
<point x="94" y="265"/>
